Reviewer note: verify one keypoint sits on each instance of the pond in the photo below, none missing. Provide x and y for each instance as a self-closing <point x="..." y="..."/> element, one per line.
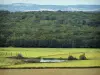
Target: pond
<point x="43" y="60"/>
<point x="52" y="60"/>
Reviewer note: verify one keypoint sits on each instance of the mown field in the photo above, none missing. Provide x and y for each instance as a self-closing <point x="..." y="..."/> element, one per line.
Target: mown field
<point x="92" y="55"/>
<point x="86" y="71"/>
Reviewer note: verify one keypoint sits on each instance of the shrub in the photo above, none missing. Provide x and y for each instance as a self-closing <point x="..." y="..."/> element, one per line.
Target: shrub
<point x="20" y="56"/>
<point x="70" y="57"/>
<point x="82" y="57"/>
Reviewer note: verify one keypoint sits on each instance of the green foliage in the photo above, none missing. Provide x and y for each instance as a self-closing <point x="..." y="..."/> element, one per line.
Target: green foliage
<point x="19" y="56"/>
<point x="82" y="57"/>
<point x="49" y="29"/>
<point x="70" y="57"/>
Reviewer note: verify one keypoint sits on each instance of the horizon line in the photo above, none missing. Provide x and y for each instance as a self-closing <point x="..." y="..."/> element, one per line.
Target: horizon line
<point x="45" y="4"/>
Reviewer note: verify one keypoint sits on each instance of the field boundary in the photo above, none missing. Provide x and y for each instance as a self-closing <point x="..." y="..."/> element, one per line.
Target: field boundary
<point x="54" y="67"/>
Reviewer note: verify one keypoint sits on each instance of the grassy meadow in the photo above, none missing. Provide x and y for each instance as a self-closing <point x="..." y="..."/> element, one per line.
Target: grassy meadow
<point x="92" y="55"/>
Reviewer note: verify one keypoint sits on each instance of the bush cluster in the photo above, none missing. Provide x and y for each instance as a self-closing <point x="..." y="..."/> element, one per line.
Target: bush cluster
<point x="81" y="57"/>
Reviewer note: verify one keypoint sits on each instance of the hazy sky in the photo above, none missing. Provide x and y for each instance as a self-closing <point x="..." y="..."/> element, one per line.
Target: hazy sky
<point x="53" y="2"/>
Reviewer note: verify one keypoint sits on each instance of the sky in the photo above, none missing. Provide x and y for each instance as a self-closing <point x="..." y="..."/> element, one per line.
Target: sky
<point x="53" y="2"/>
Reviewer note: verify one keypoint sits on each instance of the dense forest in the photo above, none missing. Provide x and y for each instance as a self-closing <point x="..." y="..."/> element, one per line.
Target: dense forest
<point x="54" y="29"/>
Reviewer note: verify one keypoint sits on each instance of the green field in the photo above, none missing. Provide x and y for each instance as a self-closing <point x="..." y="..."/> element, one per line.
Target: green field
<point x="92" y="54"/>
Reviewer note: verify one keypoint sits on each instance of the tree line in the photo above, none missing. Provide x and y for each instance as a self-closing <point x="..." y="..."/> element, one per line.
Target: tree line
<point x="54" y="29"/>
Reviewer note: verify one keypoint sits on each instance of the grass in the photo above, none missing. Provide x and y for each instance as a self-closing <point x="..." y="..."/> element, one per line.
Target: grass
<point x="91" y="53"/>
<point x="76" y="63"/>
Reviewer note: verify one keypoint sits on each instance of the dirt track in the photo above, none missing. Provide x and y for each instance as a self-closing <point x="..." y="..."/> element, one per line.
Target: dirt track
<point x="90" y="71"/>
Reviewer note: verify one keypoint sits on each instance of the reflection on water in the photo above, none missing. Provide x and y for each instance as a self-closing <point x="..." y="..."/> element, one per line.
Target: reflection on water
<point x="52" y="60"/>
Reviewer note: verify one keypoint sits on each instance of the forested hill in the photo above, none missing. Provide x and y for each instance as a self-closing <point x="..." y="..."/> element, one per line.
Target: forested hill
<point x="49" y="29"/>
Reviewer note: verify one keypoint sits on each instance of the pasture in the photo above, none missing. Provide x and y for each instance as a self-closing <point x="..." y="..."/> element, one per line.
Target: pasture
<point x="92" y="55"/>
